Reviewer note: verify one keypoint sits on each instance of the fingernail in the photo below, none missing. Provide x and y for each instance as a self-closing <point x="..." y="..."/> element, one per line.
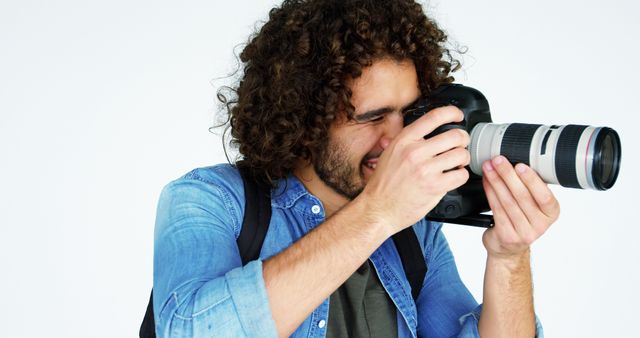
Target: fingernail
<point x="497" y="160"/>
<point x="487" y="166"/>
<point x="521" y="168"/>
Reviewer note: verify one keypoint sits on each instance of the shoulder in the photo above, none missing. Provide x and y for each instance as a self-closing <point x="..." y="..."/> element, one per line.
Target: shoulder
<point x="224" y="175"/>
<point x="217" y="190"/>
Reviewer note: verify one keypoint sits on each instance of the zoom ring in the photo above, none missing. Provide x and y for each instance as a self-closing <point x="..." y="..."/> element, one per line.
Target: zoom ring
<point x="516" y="142"/>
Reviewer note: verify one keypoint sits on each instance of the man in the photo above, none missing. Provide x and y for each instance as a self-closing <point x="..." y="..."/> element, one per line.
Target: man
<point x="319" y="116"/>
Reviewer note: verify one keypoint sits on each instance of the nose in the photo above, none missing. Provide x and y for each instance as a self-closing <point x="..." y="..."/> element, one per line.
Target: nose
<point x="392" y="126"/>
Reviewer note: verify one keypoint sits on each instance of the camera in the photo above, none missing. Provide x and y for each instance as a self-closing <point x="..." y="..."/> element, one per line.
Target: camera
<point x="574" y="156"/>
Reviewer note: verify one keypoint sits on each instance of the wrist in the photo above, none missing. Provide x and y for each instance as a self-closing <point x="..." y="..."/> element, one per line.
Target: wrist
<point x="511" y="262"/>
<point x="374" y="221"/>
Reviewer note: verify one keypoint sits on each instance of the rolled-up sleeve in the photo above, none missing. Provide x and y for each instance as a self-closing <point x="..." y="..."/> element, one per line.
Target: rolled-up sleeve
<point x="445" y="307"/>
<point x="201" y="288"/>
<point x="469" y="323"/>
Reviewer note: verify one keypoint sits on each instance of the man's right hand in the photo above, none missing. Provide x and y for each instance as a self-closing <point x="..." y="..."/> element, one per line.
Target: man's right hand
<point x="413" y="174"/>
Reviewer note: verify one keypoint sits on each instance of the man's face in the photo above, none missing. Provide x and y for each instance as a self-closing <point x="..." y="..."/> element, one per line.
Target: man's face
<point x="380" y="96"/>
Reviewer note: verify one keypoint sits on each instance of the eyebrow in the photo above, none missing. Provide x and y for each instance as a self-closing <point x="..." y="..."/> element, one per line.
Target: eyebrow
<point x="371" y="114"/>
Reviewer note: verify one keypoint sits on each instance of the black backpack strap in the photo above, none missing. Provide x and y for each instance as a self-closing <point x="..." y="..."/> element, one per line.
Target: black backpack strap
<point x="257" y="215"/>
<point x="415" y="268"/>
<point x="148" y="327"/>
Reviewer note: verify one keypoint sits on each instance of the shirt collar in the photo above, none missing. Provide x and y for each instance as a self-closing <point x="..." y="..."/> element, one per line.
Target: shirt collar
<point x="288" y="191"/>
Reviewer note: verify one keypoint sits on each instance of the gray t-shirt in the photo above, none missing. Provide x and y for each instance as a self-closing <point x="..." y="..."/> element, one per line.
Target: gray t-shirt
<point x="361" y="307"/>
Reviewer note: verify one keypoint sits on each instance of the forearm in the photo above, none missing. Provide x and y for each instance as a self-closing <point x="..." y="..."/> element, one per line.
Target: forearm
<point x="507" y="309"/>
<point x="305" y="274"/>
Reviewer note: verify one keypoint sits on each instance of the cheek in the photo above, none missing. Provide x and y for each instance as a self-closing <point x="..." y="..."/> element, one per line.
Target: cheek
<point x="362" y="148"/>
<point x="359" y="142"/>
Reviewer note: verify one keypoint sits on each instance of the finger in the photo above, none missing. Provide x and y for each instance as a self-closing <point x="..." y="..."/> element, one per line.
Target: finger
<point x="448" y="140"/>
<point x="511" y="208"/>
<point x="432" y="120"/>
<point x="453" y="179"/>
<point x="454" y="158"/>
<point x="539" y="190"/>
<point x="518" y="189"/>
<point x="502" y="224"/>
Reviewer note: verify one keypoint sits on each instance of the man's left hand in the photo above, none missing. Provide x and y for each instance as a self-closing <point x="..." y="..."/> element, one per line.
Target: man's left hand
<point x="523" y="207"/>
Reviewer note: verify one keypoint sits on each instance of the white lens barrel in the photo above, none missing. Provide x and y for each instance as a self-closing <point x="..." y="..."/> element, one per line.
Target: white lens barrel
<point x="584" y="158"/>
<point x="485" y="144"/>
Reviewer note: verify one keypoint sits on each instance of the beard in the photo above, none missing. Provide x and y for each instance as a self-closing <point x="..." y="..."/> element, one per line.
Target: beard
<point x="334" y="169"/>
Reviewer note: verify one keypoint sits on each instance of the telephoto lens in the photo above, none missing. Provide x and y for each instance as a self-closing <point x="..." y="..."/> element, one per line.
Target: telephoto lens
<point x="574" y="156"/>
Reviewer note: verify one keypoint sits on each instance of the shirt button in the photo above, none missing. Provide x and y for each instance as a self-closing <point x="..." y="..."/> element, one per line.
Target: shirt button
<point x="322" y="323"/>
<point x="315" y="209"/>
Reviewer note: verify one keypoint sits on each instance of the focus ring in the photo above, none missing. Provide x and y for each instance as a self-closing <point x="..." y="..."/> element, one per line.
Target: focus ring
<point x="516" y="142"/>
<point x="566" y="150"/>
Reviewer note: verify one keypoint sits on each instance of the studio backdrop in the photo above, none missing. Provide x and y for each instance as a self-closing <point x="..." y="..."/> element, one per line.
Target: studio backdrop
<point x="102" y="103"/>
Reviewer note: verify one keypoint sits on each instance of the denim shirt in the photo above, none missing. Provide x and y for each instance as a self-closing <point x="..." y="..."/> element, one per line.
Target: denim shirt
<point x="201" y="288"/>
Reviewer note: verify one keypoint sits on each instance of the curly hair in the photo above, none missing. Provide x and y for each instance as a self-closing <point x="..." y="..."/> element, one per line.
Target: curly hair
<point x="296" y="69"/>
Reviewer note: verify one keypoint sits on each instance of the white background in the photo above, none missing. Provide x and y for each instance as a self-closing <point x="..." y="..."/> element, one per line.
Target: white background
<point x="103" y="103"/>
